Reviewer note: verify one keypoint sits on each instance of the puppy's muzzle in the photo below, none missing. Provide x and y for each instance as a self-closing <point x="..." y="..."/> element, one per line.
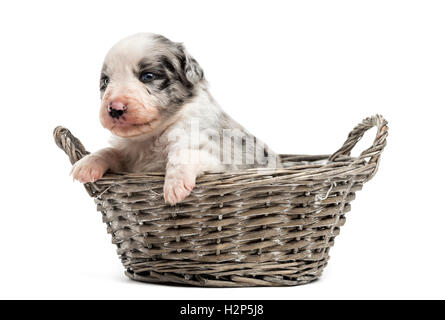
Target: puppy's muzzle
<point x="116" y="109"/>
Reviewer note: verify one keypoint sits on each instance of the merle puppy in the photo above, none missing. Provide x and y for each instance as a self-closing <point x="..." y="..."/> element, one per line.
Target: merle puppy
<point x="156" y="103"/>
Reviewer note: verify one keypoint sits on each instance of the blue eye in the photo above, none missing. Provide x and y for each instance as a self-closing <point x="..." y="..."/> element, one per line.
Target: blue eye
<point x="146" y="77"/>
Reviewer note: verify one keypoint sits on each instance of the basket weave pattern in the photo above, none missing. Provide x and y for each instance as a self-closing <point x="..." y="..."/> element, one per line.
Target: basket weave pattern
<point x="246" y="228"/>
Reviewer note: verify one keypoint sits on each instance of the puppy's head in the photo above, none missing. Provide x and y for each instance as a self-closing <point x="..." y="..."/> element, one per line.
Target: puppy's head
<point x="145" y="80"/>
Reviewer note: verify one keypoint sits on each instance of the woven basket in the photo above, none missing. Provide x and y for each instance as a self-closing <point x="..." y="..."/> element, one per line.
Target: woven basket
<point x="237" y="229"/>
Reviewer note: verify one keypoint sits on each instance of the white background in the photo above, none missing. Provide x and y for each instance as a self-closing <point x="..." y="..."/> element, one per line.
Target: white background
<point x="299" y="75"/>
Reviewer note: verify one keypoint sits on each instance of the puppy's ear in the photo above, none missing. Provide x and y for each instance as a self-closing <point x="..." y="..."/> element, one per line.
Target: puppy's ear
<point x="192" y="70"/>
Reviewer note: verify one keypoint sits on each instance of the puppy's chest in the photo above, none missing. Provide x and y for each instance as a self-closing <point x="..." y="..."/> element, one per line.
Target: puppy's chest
<point x="145" y="157"/>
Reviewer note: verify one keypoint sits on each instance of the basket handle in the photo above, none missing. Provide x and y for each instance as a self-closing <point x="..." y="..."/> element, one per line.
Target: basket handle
<point x="75" y="151"/>
<point x="70" y="144"/>
<point x="374" y="152"/>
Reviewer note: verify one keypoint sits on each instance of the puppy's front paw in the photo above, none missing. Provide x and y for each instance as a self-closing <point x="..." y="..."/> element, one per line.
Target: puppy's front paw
<point x="89" y="169"/>
<point x="177" y="189"/>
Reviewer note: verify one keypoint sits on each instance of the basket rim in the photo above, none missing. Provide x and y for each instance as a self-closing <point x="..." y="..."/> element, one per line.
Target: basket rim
<point x="297" y="167"/>
<point x="339" y="164"/>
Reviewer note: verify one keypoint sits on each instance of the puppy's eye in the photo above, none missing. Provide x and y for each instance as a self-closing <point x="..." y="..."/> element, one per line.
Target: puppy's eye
<point x="146" y="77"/>
<point x="104" y="82"/>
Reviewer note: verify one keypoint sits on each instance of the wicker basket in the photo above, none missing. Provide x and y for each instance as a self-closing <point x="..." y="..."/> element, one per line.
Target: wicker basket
<point x="237" y="229"/>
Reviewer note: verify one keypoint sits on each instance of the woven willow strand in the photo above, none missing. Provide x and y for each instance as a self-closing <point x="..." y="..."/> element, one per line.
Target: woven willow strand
<point x="257" y="227"/>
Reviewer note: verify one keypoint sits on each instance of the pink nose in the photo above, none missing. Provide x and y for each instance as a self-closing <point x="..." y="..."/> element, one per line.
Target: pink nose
<point x="116" y="109"/>
<point x="117" y="105"/>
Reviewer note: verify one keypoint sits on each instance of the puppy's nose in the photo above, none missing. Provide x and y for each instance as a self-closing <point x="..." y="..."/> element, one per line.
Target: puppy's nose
<point x="116" y="109"/>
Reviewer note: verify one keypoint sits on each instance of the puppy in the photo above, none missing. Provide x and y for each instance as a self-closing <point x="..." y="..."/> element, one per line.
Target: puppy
<point x="156" y="103"/>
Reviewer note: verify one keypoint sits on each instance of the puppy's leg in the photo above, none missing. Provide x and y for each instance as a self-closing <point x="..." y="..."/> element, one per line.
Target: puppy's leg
<point x="92" y="167"/>
<point x="182" y="170"/>
<point x="179" y="182"/>
<point x="180" y="174"/>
